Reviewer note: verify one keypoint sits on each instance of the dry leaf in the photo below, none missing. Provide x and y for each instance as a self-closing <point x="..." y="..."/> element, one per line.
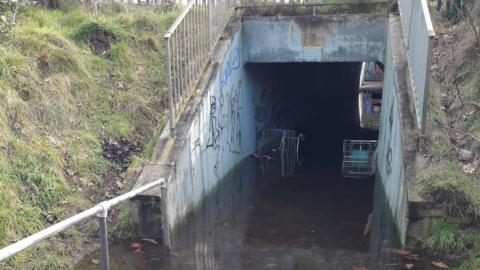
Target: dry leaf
<point x="439" y="264"/>
<point x="119" y="184"/>
<point x="399" y="252"/>
<point x="412" y="257"/>
<point x="409" y="266"/>
<point x="137" y="247"/>
<point x="150" y="240"/>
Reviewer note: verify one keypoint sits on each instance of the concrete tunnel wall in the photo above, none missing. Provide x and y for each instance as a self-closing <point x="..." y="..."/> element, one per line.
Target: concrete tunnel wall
<point x="220" y="135"/>
<point x="221" y="123"/>
<point x="390" y="163"/>
<point x="321" y="38"/>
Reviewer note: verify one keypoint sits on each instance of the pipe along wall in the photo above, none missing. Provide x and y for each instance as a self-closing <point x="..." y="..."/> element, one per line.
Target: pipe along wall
<point x="288" y="72"/>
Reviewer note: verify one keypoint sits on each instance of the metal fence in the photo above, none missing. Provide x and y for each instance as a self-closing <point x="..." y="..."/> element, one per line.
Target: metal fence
<point x="269" y="3"/>
<point x="188" y="43"/>
<point x="418" y="33"/>
<point x="280" y="145"/>
<point x="100" y="210"/>
<point x="289" y="154"/>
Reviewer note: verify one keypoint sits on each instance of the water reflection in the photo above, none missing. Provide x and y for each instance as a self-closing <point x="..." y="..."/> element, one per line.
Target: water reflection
<point x="312" y="220"/>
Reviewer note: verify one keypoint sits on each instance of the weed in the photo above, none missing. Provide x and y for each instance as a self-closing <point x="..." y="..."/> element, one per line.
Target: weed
<point x="447" y="184"/>
<point x="447" y="239"/>
<point x="84" y="157"/>
<point x="472" y="262"/>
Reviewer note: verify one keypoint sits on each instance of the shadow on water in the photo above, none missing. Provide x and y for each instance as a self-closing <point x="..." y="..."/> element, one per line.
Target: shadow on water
<point x="311" y="220"/>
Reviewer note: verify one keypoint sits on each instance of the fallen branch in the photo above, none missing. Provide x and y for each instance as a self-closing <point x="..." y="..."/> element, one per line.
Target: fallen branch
<point x="368" y="225"/>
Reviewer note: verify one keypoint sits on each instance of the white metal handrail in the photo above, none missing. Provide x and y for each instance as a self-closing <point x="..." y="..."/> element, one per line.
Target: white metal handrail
<point x="101" y="210"/>
<point x="418" y="34"/>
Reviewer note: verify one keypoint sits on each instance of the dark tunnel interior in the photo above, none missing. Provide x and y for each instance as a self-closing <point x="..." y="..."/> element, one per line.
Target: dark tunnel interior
<point x="319" y="100"/>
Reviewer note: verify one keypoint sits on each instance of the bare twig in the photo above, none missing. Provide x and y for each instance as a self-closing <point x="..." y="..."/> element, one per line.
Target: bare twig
<point x="455" y="79"/>
<point x="14" y="16"/>
<point x="467" y="14"/>
<point x="475" y="30"/>
<point x="472" y="136"/>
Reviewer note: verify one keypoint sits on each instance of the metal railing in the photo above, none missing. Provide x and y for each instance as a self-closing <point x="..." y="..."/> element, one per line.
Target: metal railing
<point x="100" y="210"/>
<point x="188" y="44"/>
<point x="270" y="3"/>
<point x="418" y="33"/>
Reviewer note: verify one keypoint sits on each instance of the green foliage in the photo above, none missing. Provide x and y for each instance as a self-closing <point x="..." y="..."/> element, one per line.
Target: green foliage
<point x="37" y="169"/>
<point x="84" y="157"/>
<point x="118" y="127"/>
<point x="472" y="262"/>
<point x="448" y="184"/>
<point x="447" y="239"/>
<point x="123" y="225"/>
<point x="472" y="92"/>
<point x="84" y="30"/>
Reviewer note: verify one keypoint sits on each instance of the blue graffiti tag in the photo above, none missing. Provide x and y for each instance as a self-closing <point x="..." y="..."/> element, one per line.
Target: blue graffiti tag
<point x="233" y="63"/>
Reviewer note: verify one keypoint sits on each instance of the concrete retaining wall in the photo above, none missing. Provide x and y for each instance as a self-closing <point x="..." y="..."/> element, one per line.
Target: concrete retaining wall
<point x="398" y="132"/>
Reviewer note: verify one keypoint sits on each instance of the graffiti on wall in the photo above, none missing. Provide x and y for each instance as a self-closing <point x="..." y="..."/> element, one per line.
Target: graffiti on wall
<point x="215" y="127"/>
<point x="389" y="154"/>
<point x="271" y="110"/>
<point x="223" y="130"/>
<point x="373" y="72"/>
<point x="232" y="64"/>
<point x="234" y="117"/>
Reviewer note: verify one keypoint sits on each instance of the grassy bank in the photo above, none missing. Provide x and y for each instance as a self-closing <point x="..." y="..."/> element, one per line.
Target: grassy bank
<point x="81" y="102"/>
<point x="452" y="174"/>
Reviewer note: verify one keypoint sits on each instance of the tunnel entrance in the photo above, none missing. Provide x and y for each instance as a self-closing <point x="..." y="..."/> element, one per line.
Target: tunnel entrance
<point x="311" y="219"/>
<point x="318" y="100"/>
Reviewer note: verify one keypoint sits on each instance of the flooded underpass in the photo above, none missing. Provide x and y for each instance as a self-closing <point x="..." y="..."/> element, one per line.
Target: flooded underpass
<point x="311" y="219"/>
<point x="221" y="192"/>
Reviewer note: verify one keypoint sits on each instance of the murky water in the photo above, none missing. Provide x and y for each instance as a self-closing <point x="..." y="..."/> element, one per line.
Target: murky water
<point x="312" y="220"/>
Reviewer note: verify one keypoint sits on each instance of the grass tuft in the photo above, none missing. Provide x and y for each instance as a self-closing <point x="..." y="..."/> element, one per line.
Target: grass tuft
<point x="450" y="240"/>
<point x="449" y="185"/>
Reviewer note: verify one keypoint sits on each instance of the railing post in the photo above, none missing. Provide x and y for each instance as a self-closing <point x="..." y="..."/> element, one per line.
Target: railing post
<point x="410" y="24"/>
<point x="165" y="217"/>
<point x="103" y="233"/>
<point x="171" y="103"/>
<point x="209" y="24"/>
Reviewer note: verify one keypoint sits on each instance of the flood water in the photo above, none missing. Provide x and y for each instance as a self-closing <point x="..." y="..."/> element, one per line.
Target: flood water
<point x="313" y="219"/>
